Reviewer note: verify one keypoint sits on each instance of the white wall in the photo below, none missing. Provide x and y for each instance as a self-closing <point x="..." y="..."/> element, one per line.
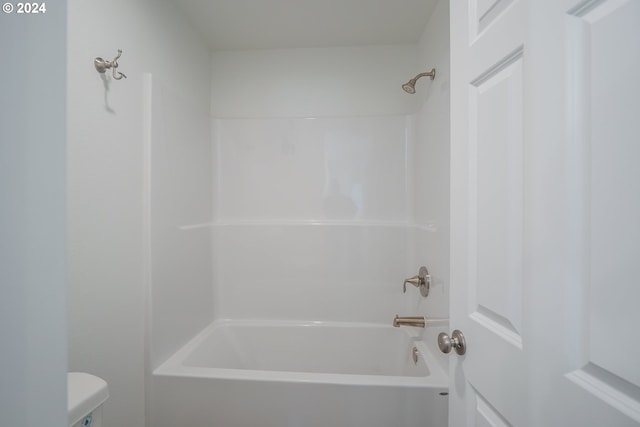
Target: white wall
<point x="430" y="236"/>
<point x="180" y="190"/>
<point x="279" y="252"/>
<point x="337" y="81"/>
<point x="296" y="125"/>
<point x="320" y="168"/>
<point x="106" y="175"/>
<point x="33" y="297"/>
<point x="312" y="185"/>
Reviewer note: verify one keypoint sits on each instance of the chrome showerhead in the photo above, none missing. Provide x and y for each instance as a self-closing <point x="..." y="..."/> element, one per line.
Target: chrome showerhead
<point x="410" y="86"/>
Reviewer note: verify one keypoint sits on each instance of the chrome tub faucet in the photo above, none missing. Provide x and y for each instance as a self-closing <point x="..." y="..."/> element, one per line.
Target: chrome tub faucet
<point x="417" y="321"/>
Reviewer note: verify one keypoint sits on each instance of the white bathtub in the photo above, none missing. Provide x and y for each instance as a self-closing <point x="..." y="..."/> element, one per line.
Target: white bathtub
<point x="300" y="374"/>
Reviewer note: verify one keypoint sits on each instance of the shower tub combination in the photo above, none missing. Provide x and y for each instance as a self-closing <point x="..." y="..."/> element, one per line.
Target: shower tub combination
<point x="301" y="374"/>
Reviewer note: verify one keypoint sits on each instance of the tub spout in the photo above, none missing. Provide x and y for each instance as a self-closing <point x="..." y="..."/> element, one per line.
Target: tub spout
<point x="417" y="321"/>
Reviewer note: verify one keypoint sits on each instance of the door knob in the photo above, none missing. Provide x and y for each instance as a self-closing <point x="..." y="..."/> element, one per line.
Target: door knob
<point x="456" y="342"/>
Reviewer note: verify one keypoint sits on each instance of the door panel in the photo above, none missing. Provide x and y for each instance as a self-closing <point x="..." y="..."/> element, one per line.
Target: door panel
<point x="604" y="58"/>
<point x="545" y="201"/>
<point x="486" y="415"/>
<point x="496" y="199"/>
<point x="488" y="206"/>
<point x="483" y="13"/>
<point x="615" y="150"/>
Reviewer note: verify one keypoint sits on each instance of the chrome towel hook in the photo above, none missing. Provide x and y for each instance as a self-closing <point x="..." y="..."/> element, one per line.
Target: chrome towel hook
<point x="103" y="65"/>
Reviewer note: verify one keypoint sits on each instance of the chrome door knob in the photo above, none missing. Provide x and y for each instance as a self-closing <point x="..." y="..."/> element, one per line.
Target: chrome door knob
<point x="456" y="342"/>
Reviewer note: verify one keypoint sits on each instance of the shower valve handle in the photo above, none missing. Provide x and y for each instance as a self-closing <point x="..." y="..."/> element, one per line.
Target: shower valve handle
<point x="415" y="281"/>
<point x="422" y="281"/>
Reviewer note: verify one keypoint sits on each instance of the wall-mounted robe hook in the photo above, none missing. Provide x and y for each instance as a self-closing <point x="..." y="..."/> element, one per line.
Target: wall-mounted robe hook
<point x="103" y="65"/>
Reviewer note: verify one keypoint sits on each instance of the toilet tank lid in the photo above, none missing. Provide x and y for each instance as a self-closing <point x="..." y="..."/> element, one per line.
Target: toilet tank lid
<point x="85" y="393"/>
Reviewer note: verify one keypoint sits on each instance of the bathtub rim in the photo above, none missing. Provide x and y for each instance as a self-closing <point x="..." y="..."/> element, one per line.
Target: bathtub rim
<point x="173" y="366"/>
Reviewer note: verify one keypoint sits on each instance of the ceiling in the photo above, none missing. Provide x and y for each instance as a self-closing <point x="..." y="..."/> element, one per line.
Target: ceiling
<point x="273" y="24"/>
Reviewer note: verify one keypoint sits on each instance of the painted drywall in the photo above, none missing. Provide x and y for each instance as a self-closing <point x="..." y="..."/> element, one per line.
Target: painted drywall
<point x="106" y="174"/>
<point x="33" y="329"/>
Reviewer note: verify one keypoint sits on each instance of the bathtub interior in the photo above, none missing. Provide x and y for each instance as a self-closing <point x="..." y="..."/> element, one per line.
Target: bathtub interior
<point x="313" y="374"/>
<point x="335" y="352"/>
<point x="318" y="347"/>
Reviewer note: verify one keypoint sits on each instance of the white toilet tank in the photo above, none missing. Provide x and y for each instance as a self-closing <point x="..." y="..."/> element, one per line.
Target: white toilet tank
<point x="86" y="394"/>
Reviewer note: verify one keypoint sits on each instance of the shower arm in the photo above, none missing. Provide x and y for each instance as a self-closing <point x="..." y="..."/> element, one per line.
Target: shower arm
<point x="431" y="74"/>
<point x="410" y="86"/>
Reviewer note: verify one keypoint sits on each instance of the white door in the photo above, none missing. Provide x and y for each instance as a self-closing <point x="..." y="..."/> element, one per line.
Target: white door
<point x="545" y="212"/>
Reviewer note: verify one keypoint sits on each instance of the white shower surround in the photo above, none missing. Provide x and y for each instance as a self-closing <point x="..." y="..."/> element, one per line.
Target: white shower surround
<point x="312" y="223"/>
<point x="311" y="218"/>
<point x="319" y="209"/>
